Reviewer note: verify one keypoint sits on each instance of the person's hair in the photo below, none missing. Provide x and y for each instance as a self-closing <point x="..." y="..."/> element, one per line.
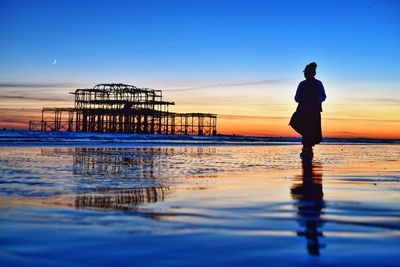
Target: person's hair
<point x="310" y="69"/>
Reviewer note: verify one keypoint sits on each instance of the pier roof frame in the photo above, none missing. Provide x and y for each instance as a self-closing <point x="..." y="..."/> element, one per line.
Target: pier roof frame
<point x="118" y="88"/>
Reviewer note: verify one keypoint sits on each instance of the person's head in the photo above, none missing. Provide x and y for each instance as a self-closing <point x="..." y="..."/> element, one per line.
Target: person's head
<point x="310" y="70"/>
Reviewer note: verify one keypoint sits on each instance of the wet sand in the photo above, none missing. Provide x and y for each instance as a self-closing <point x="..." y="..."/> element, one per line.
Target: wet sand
<point x="199" y="205"/>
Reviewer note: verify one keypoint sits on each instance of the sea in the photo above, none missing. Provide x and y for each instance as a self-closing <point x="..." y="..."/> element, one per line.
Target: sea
<point x="69" y="199"/>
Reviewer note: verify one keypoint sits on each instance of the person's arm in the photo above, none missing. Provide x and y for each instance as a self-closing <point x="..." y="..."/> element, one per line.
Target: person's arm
<point x="321" y="92"/>
<point x="297" y="97"/>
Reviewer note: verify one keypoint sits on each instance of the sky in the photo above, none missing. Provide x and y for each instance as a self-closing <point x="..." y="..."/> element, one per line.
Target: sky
<point x="241" y="60"/>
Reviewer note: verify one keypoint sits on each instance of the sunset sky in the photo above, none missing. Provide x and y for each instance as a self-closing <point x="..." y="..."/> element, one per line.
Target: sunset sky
<point x="240" y="59"/>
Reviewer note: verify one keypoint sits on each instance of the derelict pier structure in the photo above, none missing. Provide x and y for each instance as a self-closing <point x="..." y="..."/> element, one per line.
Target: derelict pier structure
<point x="121" y="108"/>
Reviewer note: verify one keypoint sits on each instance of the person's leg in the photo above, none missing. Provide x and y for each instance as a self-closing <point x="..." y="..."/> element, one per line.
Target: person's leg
<point x="306" y="140"/>
<point x="306" y="152"/>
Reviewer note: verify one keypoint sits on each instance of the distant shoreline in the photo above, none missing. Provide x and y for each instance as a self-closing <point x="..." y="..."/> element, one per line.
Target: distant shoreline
<point x="37" y="138"/>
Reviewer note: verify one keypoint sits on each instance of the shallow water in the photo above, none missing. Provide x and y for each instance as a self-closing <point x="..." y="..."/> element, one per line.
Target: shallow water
<point x="198" y="205"/>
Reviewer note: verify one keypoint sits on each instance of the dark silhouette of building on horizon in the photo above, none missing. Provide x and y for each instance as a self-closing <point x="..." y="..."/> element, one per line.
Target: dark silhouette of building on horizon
<point x="122" y="108"/>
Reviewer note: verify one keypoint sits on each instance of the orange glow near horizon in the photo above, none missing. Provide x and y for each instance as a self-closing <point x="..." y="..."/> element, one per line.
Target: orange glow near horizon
<point x="333" y="129"/>
<point x="242" y="61"/>
<point x="252" y="112"/>
<point x="18" y="119"/>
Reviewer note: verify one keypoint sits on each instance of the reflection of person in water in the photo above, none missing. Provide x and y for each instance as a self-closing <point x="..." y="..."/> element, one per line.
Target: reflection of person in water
<point x="307" y="118"/>
<point x="309" y="195"/>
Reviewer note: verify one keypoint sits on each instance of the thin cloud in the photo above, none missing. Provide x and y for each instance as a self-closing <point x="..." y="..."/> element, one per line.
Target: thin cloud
<point x="20" y="109"/>
<point x="344" y="132"/>
<point x="35" y="98"/>
<point x="241" y="117"/>
<point x="384" y="100"/>
<point x="19" y="119"/>
<point x="37" y="85"/>
<point x="387" y="101"/>
<point x="360" y="119"/>
<point x="258" y="82"/>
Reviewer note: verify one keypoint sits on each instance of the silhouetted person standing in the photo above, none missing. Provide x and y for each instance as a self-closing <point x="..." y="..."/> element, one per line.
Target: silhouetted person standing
<point x="307" y="119"/>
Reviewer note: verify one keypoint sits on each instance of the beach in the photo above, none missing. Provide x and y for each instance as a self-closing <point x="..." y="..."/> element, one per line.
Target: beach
<point x="199" y="133"/>
<point x="196" y="204"/>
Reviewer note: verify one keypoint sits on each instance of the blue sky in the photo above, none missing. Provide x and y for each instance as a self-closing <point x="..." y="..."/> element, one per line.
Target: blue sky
<point x="186" y="44"/>
<point x="209" y="40"/>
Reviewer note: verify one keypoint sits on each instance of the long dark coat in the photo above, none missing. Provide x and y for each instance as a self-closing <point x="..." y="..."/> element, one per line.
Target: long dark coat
<point x="307" y="118"/>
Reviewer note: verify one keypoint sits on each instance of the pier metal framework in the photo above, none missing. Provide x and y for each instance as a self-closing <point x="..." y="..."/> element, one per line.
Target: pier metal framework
<point x="121" y="108"/>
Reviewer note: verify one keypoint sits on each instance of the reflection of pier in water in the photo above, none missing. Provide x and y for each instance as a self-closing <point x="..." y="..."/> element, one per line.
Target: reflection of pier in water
<point x="307" y="190"/>
<point x="139" y="163"/>
<point x="121" y="199"/>
<point x="142" y="162"/>
<point x="123" y="178"/>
